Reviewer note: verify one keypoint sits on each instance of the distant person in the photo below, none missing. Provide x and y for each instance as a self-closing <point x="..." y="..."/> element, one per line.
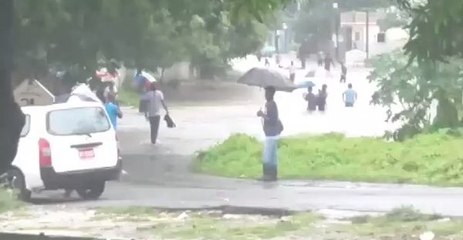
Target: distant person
<point x="272" y="127"/>
<point x="320" y="59"/>
<point x="349" y="96"/>
<point x="321" y="98"/>
<point x="343" y="72"/>
<point x="155" y="99"/>
<point x="311" y="99"/>
<point x="278" y="60"/>
<point x="267" y="62"/>
<point x="328" y="62"/>
<point x="302" y="57"/>
<point x="139" y="82"/>
<point x="259" y="56"/>
<point x="113" y="110"/>
<point x="292" y="72"/>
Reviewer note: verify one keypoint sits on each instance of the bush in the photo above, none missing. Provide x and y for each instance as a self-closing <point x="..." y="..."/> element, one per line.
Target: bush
<point x="425" y="159"/>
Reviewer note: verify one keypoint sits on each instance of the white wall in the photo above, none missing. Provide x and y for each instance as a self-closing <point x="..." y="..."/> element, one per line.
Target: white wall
<point x="362" y="33"/>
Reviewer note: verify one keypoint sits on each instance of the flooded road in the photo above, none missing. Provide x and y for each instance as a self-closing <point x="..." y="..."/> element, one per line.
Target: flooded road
<point x="161" y="176"/>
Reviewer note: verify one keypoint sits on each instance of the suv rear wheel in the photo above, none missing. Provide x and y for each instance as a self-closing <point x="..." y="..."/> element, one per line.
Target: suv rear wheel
<point x="92" y="192"/>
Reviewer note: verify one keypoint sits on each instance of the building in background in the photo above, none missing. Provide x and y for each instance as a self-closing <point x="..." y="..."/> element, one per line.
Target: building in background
<point x="356" y="31"/>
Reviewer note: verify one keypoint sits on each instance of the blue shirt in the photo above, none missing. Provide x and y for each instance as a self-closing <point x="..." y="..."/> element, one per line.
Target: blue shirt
<point x="138" y="79"/>
<point x="112" y="111"/>
<point x="350" y="96"/>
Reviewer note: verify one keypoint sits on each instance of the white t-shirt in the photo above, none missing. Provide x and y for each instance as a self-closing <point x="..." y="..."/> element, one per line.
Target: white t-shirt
<point x="155" y="103"/>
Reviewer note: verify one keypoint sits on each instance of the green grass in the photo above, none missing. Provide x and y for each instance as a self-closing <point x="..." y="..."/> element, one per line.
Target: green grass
<point x="132" y="214"/>
<point x="204" y="226"/>
<point x="9" y="202"/>
<point x="403" y="223"/>
<point x="435" y="159"/>
<point x="207" y="225"/>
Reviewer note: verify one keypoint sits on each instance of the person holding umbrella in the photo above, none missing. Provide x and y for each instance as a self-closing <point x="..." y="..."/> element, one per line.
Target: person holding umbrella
<point x="272" y="127"/>
<point x="271" y="81"/>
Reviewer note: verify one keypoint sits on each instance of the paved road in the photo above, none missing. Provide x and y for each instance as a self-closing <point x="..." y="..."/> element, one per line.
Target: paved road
<point x="160" y="175"/>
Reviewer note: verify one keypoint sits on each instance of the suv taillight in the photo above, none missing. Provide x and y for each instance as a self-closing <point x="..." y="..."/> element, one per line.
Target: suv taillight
<point x="44" y="153"/>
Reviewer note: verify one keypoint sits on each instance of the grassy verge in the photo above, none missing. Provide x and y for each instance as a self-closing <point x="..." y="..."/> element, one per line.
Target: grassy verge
<point x="211" y="225"/>
<point x="435" y="159"/>
<point x="403" y="223"/>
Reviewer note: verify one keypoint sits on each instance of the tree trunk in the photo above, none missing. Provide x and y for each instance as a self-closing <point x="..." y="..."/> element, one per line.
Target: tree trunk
<point x="12" y="119"/>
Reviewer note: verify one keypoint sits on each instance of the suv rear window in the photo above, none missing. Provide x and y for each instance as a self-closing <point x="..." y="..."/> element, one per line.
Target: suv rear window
<point x="26" y="127"/>
<point x="77" y="121"/>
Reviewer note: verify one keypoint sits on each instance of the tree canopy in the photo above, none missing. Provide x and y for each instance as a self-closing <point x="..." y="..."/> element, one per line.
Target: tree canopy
<point x="428" y="73"/>
<point x="141" y="33"/>
<point x="436" y="30"/>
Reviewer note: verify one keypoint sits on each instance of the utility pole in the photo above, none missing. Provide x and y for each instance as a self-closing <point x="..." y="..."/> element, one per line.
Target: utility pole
<point x="367" y="42"/>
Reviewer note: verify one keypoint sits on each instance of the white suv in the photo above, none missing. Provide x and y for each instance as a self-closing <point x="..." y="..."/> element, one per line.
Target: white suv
<point x="66" y="146"/>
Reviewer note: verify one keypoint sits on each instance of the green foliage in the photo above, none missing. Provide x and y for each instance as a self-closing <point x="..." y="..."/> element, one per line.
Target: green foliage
<point x="244" y="9"/>
<point x="394" y="18"/>
<point x="436" y="29"/>
<point x="141" y="33"/>
<point x="408" y="89"/>
<point x="425" y="159"/>
<point x="408" y="214"/>
<point x="314" y="22"/>
<point x="403" y="223"/>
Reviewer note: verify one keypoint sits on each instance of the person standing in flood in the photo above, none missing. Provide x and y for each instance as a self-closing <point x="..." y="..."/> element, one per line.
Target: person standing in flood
<point x="349" y="96"/>
<point x="328" y="62"/>
<point x="320" y="58"/>
<point x="343" y="73"/>
<point x="155" y="100"/>
<point x="321" y="98"/>
<point x="311" y="99"/>
<point x="292" y="72"/>
<point x="272" y="127"/>
<point x="267" y="62"/>
<point x="278" y="60"/>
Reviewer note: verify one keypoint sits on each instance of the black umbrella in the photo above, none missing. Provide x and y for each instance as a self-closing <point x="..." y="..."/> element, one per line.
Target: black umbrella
<point x="261" y="77"/>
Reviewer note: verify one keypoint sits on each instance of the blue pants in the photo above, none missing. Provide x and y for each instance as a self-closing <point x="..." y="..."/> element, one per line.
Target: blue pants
<point x="270" y="152"/>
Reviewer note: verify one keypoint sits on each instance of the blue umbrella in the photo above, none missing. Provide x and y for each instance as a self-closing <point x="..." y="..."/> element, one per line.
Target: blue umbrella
<point x="305" y="84"/>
